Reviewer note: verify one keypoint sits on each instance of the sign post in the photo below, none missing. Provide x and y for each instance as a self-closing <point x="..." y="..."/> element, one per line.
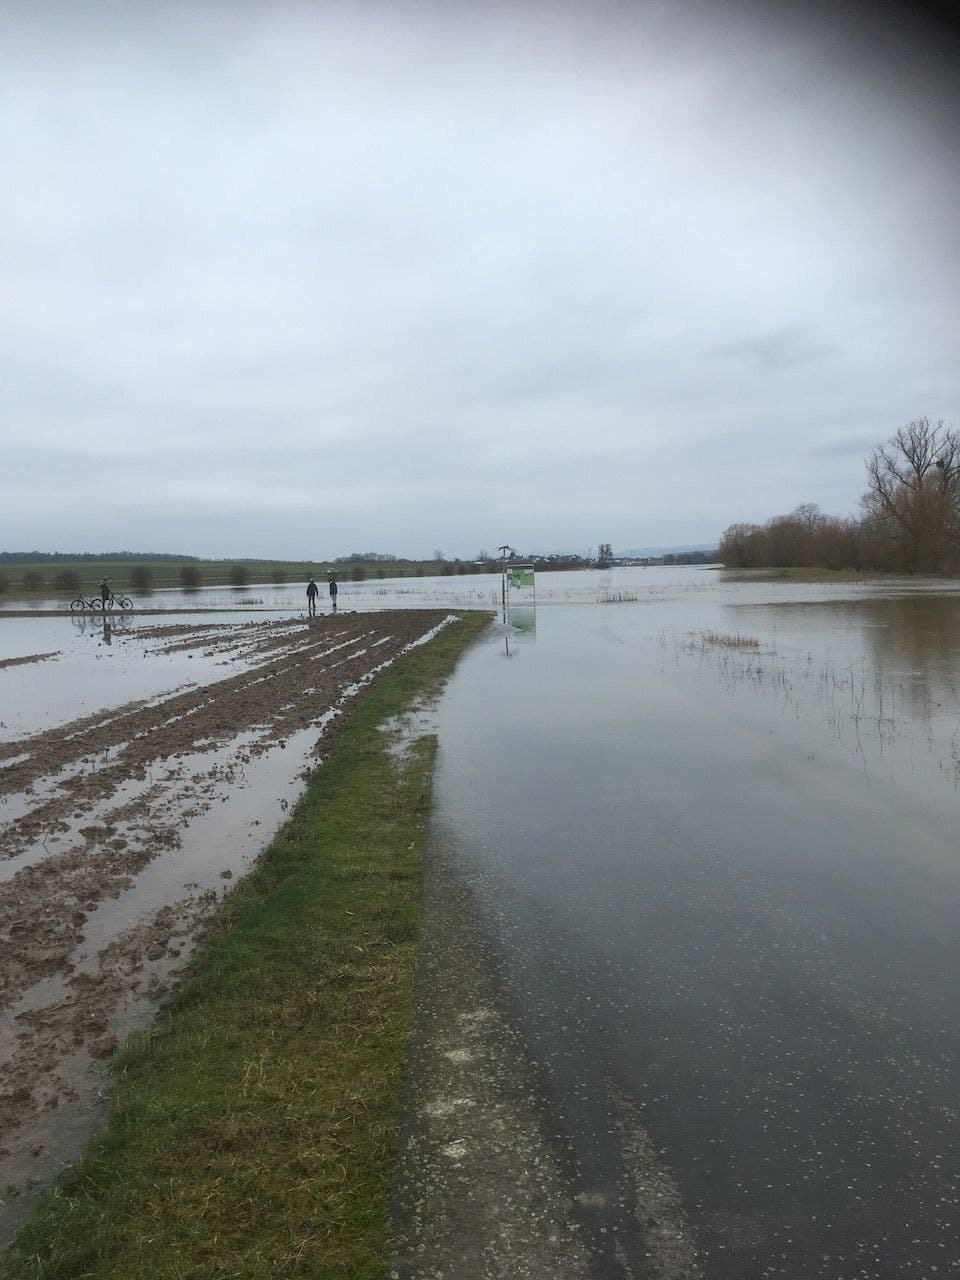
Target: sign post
<point x="522" y="575"/>
<point x="505" y="550"/>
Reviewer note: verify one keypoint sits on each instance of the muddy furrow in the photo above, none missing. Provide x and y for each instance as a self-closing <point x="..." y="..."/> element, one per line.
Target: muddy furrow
<point x="108" y="795"/>
<point x="149" y="730"/>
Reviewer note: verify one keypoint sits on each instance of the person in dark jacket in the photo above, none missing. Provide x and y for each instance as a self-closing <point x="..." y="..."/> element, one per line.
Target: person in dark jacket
<point x="333" y="591"/>
<point x="312" y="590"/>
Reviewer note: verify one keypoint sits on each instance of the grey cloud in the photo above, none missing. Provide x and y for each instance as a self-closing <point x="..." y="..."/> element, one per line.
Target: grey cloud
<point x="857" y="446"/>
<point x="787" y="347"/>
<point x="388" y="275"/>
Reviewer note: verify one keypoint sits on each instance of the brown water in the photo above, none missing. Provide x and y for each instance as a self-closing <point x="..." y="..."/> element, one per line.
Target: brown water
<point x="724" y="877"/>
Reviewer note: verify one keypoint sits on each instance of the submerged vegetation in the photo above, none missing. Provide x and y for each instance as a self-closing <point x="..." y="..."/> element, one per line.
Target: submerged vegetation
<point x="606" y="596"/>
<point x="721" y="640"/>
<point x="252" y="1130"/>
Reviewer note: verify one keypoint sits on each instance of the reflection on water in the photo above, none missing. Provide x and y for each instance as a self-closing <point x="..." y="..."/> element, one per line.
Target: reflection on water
<point x="523" y="619"/>
<point x="919" y="641"/>
<point x="101" y="626"/>
<point x="882" y="670"/>
<point x="520" y="629"/>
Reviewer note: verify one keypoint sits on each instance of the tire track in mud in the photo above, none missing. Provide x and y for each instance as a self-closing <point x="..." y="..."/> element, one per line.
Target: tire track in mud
<point x="94" y="802"/>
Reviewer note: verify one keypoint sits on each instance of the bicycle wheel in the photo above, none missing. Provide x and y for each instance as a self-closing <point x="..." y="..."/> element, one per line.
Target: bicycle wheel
<point x="96" y="604"/>
<point x="78" y="605"/>
<point x="123" y="602"/>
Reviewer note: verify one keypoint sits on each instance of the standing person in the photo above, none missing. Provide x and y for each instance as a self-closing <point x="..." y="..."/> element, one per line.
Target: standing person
<point x="312" y="590"/>
<point x="104" y="593"/>
<point x="333" y="591"/>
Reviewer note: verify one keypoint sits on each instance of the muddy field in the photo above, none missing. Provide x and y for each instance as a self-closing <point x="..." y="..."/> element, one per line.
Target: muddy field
<point x="123" y="828"/>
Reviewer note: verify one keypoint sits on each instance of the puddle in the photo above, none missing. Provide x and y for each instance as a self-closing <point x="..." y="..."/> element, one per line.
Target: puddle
<point x="403" y="731"/>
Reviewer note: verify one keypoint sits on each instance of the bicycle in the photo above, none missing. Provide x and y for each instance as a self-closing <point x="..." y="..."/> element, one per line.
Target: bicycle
<point x="96" y="603"/>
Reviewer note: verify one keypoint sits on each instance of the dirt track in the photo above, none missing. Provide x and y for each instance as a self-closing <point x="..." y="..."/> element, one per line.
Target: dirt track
<point x="90" y="805"/>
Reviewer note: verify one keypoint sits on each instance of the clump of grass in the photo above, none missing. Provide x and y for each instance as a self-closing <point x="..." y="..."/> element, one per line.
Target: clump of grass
<point x="723" y="640"/>
<point x="252" y="1132"/>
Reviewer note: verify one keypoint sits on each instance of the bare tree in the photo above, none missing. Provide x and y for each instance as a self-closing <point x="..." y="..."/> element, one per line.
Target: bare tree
<point x="790" y="539"/>
<point x="914" y="493"/>
<point x="809" y="516"/>
<point x="740" y="546"/>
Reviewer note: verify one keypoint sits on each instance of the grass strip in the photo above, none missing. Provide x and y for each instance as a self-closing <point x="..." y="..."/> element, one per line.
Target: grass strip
<point x="252" y="1130"/>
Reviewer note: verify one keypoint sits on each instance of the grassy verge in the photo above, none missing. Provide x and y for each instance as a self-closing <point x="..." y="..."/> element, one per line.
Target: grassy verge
<point x="252" y="1130"/>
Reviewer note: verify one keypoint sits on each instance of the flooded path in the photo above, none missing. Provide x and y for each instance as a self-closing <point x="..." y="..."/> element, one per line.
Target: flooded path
<point x="712" y="833"/>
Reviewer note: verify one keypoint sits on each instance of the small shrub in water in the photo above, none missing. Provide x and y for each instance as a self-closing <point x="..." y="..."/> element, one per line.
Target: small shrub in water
<point x="32" y="580"/>
<point x="141" y="577"/>
<point x="190" y="576"/>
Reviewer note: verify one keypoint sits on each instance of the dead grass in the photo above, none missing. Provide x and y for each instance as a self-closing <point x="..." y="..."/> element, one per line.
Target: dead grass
<point x="723" y="640"/>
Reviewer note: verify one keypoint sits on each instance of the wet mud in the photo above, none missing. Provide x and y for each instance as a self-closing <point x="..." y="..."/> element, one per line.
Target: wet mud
<point x="28" y="659"/>
<point x="113" y="848"/>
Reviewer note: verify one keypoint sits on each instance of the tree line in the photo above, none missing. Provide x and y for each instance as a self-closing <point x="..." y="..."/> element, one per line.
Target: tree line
<point x="89" y="557"/>
<point x="909" y="521"/>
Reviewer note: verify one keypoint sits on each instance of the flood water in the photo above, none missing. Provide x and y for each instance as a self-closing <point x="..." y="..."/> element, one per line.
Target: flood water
<point x="711" y="827"/>
<point x="712" y="830"/>
<point x="477" y="591"/>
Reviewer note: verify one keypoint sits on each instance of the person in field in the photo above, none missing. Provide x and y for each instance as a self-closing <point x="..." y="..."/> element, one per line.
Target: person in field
<point x="333" y="591"/>
<point x="104" y="592"/>
<point x="312" y="590"/>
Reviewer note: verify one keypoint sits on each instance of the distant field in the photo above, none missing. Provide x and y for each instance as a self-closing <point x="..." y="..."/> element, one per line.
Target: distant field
<point x="70" y="577"/>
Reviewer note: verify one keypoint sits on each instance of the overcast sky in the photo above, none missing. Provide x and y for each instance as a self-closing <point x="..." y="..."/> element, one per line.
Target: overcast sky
<point x="295" y="280"/>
